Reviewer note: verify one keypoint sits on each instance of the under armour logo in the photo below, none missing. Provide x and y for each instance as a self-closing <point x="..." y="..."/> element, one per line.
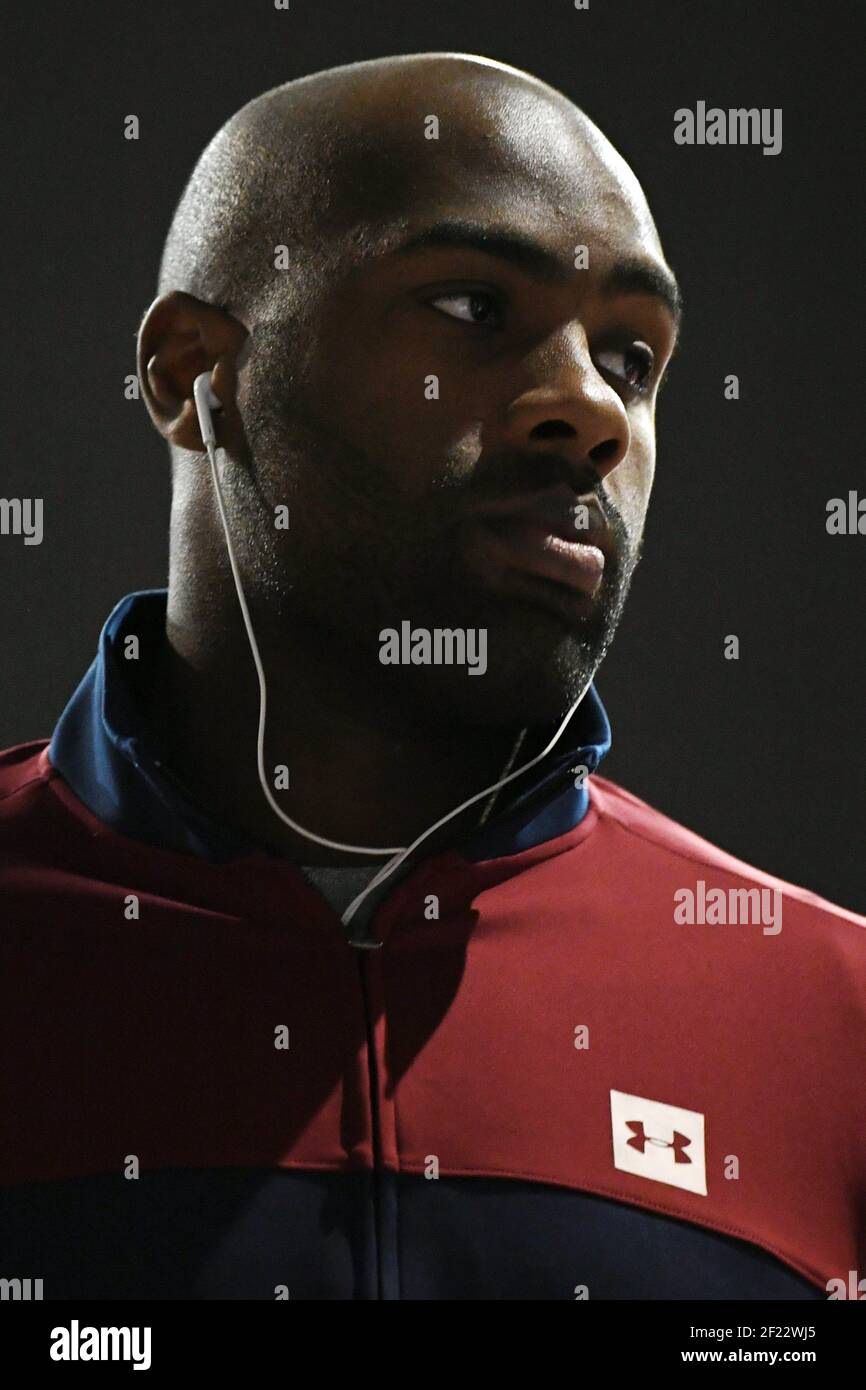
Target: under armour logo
<point x="640" y="1139"/>
<point x="663" y="1143"/>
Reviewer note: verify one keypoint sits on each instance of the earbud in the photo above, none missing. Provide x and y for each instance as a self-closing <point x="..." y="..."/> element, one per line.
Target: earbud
<point x="206" y="400"/>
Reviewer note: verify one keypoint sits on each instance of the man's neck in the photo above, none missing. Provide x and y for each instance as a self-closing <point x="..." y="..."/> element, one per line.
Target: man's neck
<point x="359" y="773"/>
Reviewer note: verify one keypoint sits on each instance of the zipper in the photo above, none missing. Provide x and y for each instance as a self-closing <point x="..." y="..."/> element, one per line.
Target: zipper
<point x="365" y="943"/>
<point x="365" y="963"/>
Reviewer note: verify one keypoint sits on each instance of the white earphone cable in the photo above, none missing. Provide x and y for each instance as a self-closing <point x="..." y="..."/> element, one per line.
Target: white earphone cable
<point x="398" y="853"/>
<point x="263" y="694"/>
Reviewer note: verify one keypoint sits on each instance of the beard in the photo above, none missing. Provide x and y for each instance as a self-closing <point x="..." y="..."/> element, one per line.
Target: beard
<point x="367" y="551"/>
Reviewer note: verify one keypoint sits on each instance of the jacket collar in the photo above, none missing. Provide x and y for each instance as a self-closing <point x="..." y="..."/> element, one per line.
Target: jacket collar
<point x="105" y="751"/>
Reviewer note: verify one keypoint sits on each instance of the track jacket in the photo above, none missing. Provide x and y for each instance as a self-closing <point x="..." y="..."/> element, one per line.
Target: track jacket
<point x="593" y="1056"/>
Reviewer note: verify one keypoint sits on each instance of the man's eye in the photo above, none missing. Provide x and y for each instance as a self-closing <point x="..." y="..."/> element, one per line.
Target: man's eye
<point x="473" y="306"/>
<point x="633" y="365"/>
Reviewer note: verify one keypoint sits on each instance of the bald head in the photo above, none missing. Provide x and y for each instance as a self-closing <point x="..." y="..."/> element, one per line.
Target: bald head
<point x="324" y="166"/>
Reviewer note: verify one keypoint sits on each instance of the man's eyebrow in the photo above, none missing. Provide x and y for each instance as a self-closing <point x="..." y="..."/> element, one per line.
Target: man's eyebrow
<point x="645" y="277"/>
<point x="634" y="276"/>
<point x="492" y="241"/>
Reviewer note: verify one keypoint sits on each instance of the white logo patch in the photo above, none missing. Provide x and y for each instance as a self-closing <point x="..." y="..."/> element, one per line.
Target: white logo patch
<point x="659" y="1142"/>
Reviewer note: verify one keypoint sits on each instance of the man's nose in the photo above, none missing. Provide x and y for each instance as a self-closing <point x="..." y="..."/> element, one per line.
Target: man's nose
<point x="569" y="408"/>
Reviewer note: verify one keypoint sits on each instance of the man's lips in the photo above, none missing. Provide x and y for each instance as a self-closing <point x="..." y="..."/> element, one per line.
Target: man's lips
<point x="526" y="545"/>
<point x="539" y="536"/>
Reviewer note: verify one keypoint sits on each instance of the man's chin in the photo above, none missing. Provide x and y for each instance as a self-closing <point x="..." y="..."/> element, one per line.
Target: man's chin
<point x="522" y="685"/>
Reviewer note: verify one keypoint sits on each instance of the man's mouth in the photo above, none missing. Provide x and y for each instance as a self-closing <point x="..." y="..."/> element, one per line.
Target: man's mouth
<point x="553" y="536"/>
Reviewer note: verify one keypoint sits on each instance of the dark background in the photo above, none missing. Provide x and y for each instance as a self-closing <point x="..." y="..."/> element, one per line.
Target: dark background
<point x="764" y="755"/>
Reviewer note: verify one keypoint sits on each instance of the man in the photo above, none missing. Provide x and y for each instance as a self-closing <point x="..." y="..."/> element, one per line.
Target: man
<point x="562" y="1047"/>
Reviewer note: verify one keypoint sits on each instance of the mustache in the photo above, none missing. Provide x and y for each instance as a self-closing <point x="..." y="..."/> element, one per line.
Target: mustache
<point x="506" y="476"/>
<point x="510" y="474"/>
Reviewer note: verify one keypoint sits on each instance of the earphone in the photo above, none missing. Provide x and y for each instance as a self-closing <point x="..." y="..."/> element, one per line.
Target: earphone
<point x="206" y="402"/>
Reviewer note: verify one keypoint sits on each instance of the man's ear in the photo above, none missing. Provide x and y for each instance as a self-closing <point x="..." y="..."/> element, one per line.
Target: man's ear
<point x="179" y="338"/>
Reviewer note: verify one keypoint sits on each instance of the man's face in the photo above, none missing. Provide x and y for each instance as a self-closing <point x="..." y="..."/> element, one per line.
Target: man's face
<point x="464" y="432"/>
